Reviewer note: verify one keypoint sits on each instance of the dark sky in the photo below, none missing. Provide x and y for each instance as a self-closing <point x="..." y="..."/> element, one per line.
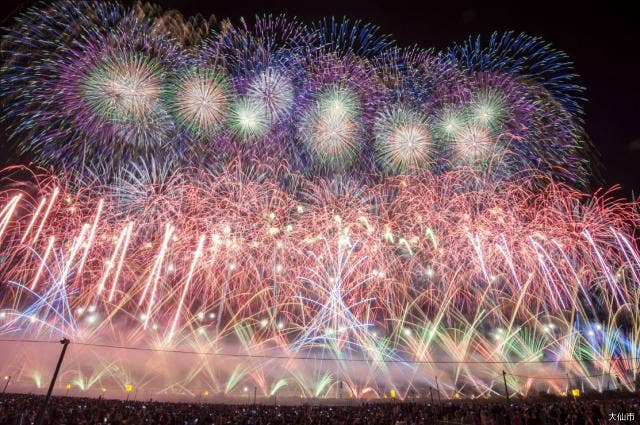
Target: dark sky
<point x="602" y="40"/>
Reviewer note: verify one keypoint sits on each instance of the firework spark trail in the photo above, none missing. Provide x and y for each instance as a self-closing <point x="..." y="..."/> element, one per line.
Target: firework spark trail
<point x="127" y="237"/>
<point x="155" y="274"/>
<point x="623" y="241"/>
<point x="196" y="256"/>
<point x="7" y="213"/>
<point x="111" y="262"/>
<point x="541" y="271"/>
<point x="43" y="262"/>
<point x="54" y="195"/>
<point x="33" y="218"/>
<point x="604" y="267"/>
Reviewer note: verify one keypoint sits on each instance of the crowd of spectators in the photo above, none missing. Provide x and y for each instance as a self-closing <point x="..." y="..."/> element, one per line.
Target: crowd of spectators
<point x="22" y="409"/>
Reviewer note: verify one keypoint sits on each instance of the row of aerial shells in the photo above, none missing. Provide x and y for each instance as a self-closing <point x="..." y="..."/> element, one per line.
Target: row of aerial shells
<point x="97" y="82"/>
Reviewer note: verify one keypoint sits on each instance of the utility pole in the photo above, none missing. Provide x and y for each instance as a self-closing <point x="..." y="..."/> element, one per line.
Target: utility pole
<point x="255" y="389"/>
<point x="506" y="389"/>
<point x="438" y="390"/>
<point x="431" y="394"/>
<point x="65" y="343"/>
<point x="7" y="379"/>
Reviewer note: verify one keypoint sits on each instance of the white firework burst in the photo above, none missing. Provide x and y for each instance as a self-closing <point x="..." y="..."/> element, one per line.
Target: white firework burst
<point x="248" y="119"/>
<point x="274" y="91"/>
<point x="403" y="140"/>
<point x="200" y="100"/>
<point x="331" y="127"/>
<point x="474" y="145"/>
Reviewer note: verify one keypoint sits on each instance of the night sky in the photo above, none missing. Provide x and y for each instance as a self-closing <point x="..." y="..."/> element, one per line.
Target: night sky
<point x="601" y="40"/>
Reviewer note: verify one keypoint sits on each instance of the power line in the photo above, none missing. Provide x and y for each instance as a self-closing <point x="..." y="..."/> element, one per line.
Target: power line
<point x="548" y="378"/>
<point x="282" y="357"/>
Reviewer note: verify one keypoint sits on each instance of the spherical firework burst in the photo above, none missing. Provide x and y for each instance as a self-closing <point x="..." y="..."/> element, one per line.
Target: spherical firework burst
<point x="403" y="140"/>
<point x="106" y="69"/>
<point x="274" y="91"/>
<point x="474" y="146"/>
<point x="488" y="110"/>
<point x="248" y="118"/>
<point x="449" y="121"/>
<point x="523" y="57"/>
<point x="123" y="89"/>
<point x="200" y="100"/>
<point x="331" y="128"/>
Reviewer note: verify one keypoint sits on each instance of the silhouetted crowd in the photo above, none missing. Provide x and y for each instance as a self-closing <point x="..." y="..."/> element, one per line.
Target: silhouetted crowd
<point x="23" y="409"/>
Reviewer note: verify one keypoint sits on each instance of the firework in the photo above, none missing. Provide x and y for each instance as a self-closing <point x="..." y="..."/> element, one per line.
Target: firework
<point x="145" y="82"/>
<point x="106" y="68"/>
<point x="274" y="92"/>
<point x="123" y="90"/>
<point x="449" y="122"/>
<point x="248" y="118"/>
<point x="404" y="140"/>
<point x="293" y="207"/>
<point x="488" y="110"/>
<point x="232" y="264"/>
<point x="200" y="98"/>
<point x="524" y="57"/>
<point x="331" y="129"/>
<point x="351" y="37"/>
<point x="473" y="145"/>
